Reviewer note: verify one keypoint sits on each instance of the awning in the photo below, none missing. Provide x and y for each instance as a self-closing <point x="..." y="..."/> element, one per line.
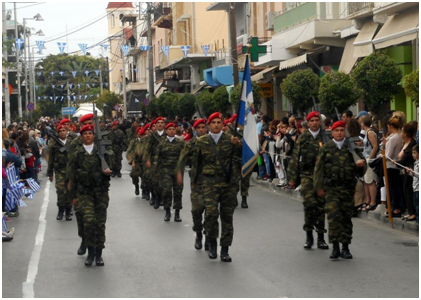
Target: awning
<point x="293" y="62"/>
<point x="398" y="29"/>
<point x="348" y="60"/>
<point x="260" y="76"/>
<point x="363" y="44"/>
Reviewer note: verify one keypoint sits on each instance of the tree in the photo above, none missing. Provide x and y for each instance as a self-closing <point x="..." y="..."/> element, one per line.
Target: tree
<point x="184" y="106"/>
<point x="153" y="108"/>
<point x="337" y="90"/>
<point x="206" y="103"/>
<point x="378" y="77"/>
<point x="299" y="87"/>
<point x="257" y="96"/>
<point x="220" y="99"/>
<point x="109" y="99"/>
<point x="411" y="85"/>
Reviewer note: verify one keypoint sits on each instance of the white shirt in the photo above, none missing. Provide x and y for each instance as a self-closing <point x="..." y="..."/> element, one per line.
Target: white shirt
<point x="170" y="138"/>
<point x="216" y="136"/>
<point x="89" y="148"/>
<point x="340" y="143"/>
<point x="315" y="133"/>
<point x="63" y="141"/>
<point x="160" y="132"/>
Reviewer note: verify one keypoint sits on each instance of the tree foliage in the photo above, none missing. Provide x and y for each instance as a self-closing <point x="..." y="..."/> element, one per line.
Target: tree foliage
<point x="337" y="90"/>
<point x="184" y="106"/>
<point x="106" y="102"/>
<point x="299" y="87"/>
<point x="378" y="77"/>
<point x="411" y="86"/>
<point x="220" y="99"/>
<point x="257" y="96"/>
<point x="206" y="103"/>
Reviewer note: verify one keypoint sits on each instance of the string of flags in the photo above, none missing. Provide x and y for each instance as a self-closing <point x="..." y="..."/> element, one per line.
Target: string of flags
<point x="73" y="86"/>
<point x="70" y="98"/>
<point x="74" y="73"/>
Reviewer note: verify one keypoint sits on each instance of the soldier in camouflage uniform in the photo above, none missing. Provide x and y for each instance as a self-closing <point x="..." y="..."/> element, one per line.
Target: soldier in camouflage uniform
<point x="196" y="196"/>
<point x="302" y="164"/>
<point x="212" y="161"/>
<point x="57" y="165"/>
<point x="151" y="145"/>
<point x="335" y="178"/>
<point x="130" y="154"/>
<point x="138" y="162"/>
<point x="131" y="133"/>
<point x="91" y="183"/>
<point x="70" y="134"/>
<point x="165" y="162"/>
<point x="119" y="144"/>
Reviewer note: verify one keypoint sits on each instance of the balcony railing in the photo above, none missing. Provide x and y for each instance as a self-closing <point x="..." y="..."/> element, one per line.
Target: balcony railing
<point x="355" y="7"/>
<point x="295" y="16"/>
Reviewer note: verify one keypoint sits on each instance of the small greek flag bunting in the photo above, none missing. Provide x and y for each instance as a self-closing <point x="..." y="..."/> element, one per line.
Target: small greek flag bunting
<point x="53" y="86"/>
<point x="39" y="97"/>
<point x="40" y="45"/>
<point x="11" y="174"/>
<point x="125" y="49"/>
<point x="61" y="46"/>
<point x="144" y="48"/>
<point x="87" y="73"/>
<point x="33" y="184"/>
<point x="19" y="43"/>
<point x="136" y="100"/>
<point x="97" y="72"/>
<point x="74" y="73"/>
<point x="93" y="84"/>
<point x="104" y="46"/>
<point x="136" y="70"/>
<point x="88" y="85"/>
<point x="39" y="73"/>
<point x="166" y="50"/>
<point x="45" y="97"/>
<point x="185" y="50"/>
<point x="52" y="73"/>
<point x="62" y="86"/>
<point x="205" y="49"/>
<point x="83" y="47"/>
<point x="51" y="98"/>
<point x="37" y="87"/>
<point x="61" y="73"/>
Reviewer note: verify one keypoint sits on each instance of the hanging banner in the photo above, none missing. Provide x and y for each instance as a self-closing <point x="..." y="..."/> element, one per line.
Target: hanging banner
<point x="125" y="49"/>
<point x="185" y="50"/>
<point x="74" y="73"/>
<point x="61" y="46"/>
<point x="19" y="43"/>
<point x="39" y="73"/>
<point x="136" y="70"/>
<point x="97" y="72"/>
<point x="83" y="47"/>
<point x="105" y="47"/>
<point x="40" y="45"/>
<point x="205" y="49"/>
<point x="166" y="50"/>
<point x="144" y="48"/>
<point x="87" y="73"/>
<point x="52" y="73"/>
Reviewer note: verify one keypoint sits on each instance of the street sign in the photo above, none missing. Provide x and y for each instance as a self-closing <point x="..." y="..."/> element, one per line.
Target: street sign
<point x="30" y="106"/>
<point x="68" y="110"/>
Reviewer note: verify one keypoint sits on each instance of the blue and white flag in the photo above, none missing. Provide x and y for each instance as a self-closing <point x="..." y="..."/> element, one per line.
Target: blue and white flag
<point x="40" y="45"/>
<point x="61" y="46"/>
<point x="10" y="201"/>
<point x="83" y="47"/>
<point x="39" y="73"/>
<point x="247" y="121"/>
<point x="93" y="84"/>
<point x="136" y="100"/>
<point x="125" y="49"/>
<point x="87" y="73"/>
<point x="52" y="73"/>
<point x="88" y="85"/>
<point x="33" y="184"/>
<point x="136" y="70"/>
<point x="19" y="43"/>
<point x="104" y="46"/>
<point x="144" y="48"/>
<point x="53" y="86"/>
<point x="11" y="174"/>
<point x="97" y="72"/>
<point x="4" y="224"/>
<point x="185" y="50"/>
<point x="166" y="50"/>
<point x="78" y="85"/>
<point x="45" y="97"/>
<point x="37" y="87"/>
<point x="62" y="85"/>
<point x="51" y="98"/>
<point x="61" y="73"/>
<point x="74" y="73"/>
<point x="205" y="49"/>
<point x="39" y="97"/>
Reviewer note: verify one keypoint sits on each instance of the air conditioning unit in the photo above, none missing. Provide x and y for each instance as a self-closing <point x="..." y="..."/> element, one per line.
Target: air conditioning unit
<point x="270" y="17"/>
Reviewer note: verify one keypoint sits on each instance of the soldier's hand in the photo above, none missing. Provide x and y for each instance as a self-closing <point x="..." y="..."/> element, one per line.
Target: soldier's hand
<point x="148" y="164"/>
<point x="235" y="141"/>
<point x="108" y="172"/>
<point x="360" y="163"/>
<point x="321" y="193"/>
<point x="133" y="165"/>
<point x="74" y="202"/>
<point x="51" y="178"/>
<point x="291" y="184"/>
<point x="179" y="178"/>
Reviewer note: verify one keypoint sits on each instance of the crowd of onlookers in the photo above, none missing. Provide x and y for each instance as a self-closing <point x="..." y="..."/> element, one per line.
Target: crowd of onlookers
<point x="398" y="137"/>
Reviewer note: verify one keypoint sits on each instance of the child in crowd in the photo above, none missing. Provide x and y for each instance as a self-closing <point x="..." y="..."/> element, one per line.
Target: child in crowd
<point x="415" y="174"/>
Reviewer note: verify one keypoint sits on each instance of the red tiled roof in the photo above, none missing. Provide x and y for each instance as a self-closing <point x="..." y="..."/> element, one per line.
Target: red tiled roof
<point x="119" y="4"/>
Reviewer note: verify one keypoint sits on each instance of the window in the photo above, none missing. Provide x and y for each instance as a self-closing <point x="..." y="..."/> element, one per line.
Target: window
<point x="112" y="20"/>
<point x="121" y="20"/>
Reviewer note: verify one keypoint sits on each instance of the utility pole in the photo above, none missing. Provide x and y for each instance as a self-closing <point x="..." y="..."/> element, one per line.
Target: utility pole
<point x="18" y="69"/>
<point x="100" y="79"/>
<point x="26" y="64"/>
<point x="233" y="42"/>
<point x="150" y="53"/>
<point x="124" y="79"/>
<point x="6" y="79"/>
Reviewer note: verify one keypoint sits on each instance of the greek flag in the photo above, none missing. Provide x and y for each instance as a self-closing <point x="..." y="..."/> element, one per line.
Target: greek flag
<point x="39" y="73"/>
<point x="33" y="184"/>
<point x="105" y="46"/>
<point x="4" y="224"/>
<point x="247" y="121"/>
<point x="52" y="73"/>
<point x="144" y="48"/>
<point x="136" y="100"/>
<point x="28" y="193"/>
<point x="185" y="50"/>
<point x="40" y="45"/>
<point x="83" y="47"/>
<point x="19" y="43"/>
<point x="61" y="73"/>
<point x="10" y="201"/>
<point x="74" y="73"/>
<point x="11" y="174"/>
<point x="61" y="46"/>
<point x="97" y="72"/>
<point x="166" y="50"/>
<point x="37" y="87"/>
<point x="125" y="49"/>
<point x="205" y="49"/>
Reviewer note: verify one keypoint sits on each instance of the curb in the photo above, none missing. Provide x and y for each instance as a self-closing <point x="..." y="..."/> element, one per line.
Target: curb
<point x="375" y="216"/>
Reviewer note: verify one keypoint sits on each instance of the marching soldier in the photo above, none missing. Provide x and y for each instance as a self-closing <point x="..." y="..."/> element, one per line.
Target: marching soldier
<point x="335" y="179"/>
<point x="57" y="165"/>
<point x="149" y="155"/>
<point x="196" y="196"/>
<point x="119" y="144"/>
<point x="91" y="183"/>
<point x="70" y="134"/>
<point x="302" y="165"/>
<point x="131" y="133"/>
<point x="212" y="162"/>
<point x="134" y="173"/>
<point x="165" y="162"/>
<point x="139" y="163"/>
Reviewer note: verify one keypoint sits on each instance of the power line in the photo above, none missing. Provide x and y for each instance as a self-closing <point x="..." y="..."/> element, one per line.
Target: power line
<point x="25" y="6"/>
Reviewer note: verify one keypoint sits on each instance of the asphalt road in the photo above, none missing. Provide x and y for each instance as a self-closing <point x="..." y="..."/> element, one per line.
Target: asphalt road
<point x="147" y="257"/>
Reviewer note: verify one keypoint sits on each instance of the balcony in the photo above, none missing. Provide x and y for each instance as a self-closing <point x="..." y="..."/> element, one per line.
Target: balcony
<point x="355" y="8"/>
<point x="293" y="17"/>
<point x="162" y="16"/>
<point x="136" y="85"/>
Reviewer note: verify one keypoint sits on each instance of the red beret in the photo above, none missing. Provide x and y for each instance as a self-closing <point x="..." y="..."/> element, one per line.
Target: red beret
<point x="141" y="131"/>
<point x="159" y="119"/>
<point x="313" y="114"/>
<point x="138" y="129"/>
<point x="153" y="122"/>
<point x="338" y="124"/>
<point x="64" y="121"/>
<point x="199" y="121"/>
<point x="59" y="126"/>
<point x="86" y="118"/>
<point x="216" y="115"/>
<point x="234" y="116"/>
<point x="170" y="125"/>
<point x="88" y="127"/>
<point x="114" y="123"/>
<point x="147" y="126"/>
<point x="227" y="121"/>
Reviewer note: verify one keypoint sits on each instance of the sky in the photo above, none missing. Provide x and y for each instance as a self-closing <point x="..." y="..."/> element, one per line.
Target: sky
<point x="59" y="15"/>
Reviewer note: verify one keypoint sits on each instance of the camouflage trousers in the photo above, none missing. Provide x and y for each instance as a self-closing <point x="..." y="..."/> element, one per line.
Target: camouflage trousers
<point x="135" y="174"/>
<point x="245" y="185"/>
<point x="118" y="156"/>
<point x="154" y="184"/>
<point x="79" y="219"/>
<point x="314" y="207"/>
<point x="339" y="210"/>
<point x="170" y="188"/>
<point x="220" y="199"/>
<point x="93" y="207"/>
<point x="197" y="206"/>
<point x="63" y="199"/>
<point x="147" y="180"/>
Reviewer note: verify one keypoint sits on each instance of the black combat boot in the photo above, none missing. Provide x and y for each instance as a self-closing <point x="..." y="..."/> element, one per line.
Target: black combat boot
<point x="136" y="189"/>
<point x="60" y="213"/>
<point x="309" y="241"/>
<point x="82" y="248"/>
<point x="225" y="257"/>
<point x="206" y="244"/>
<point x="157" y="202"/>
<point x="335" y="252"/>
<point x="345" y="252"/>
<point x="244" y="202"/>
<point x="68" y="213"/>
<point x="152" y="199"/>
<point x="143" y="194"/>
<point x="177" y="216"/>
<point x="213" y="244"/>
<point x="167" y="217"/>
<point x="98" y="257"/>
<point x="91" y="256"/>
<point x="147" y="197"/>
<point x="198" y="242"/>
<point x="119" y="173"/>
<point x="321" y="244"/>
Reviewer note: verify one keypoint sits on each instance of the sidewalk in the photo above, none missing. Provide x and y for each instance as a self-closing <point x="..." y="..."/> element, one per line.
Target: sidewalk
<point x="375" y="216"/>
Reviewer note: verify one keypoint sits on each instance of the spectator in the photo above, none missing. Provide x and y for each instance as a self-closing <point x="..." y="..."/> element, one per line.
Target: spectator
<point x="280" y="146"/>
<point x="415" y="181"/>
<point x="346" y="116"/>
<point x="11" y="157"/>
<point x="260" y="163"/>
<point x="271" y="145"/>
<point x="264" y="133"/>
<point x="36" y="153"/>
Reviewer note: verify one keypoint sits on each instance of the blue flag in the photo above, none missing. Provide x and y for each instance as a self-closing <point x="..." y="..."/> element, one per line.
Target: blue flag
<point x="19" y="43"/>
<point x="205" y="49"/>
<point x="105" y="46"/>
<point x="144" y="48"/>
<point x="166" y="50"/>
<point x="185" y="50"/>
<point x="125" y="49"/>
<point x="247" y="120"/>
<point x="40" y="45"/>
<point x="83" y="47"/>
<point x="61" y="46"/>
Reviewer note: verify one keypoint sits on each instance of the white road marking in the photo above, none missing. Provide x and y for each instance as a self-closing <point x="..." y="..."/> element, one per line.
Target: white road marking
<point x="28" y="285"/>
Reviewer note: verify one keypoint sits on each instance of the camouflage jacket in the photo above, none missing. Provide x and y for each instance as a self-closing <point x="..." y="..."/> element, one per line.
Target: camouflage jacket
<point x="130" y="134"/>
<point x="152" y="142"/>
<point x="336" y="167"/>
<point x="187" y="154"/>
<point x="167" y="153"/>
<point x="58" y="160"/>
<point x="304" y="156"/>
<point x="131" y="150"/>
<point x="139" y="150"/>
<point x="206" y="162"/>
<point x="118" y="139"/>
